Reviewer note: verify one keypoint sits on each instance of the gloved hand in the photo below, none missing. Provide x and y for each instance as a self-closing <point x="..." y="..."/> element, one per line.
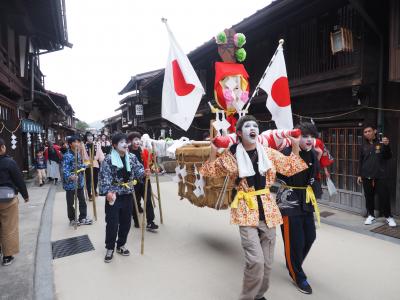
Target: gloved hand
<point x="221" y="141"/>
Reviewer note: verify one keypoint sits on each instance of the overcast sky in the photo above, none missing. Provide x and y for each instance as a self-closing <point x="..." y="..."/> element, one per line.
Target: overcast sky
<point x="114" y="40"/>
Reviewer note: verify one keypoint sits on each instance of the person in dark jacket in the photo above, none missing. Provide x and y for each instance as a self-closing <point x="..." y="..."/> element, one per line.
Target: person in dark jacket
<point x="373" y="174"/>
<point x="134" y="138"/>
<point x="296" y="200"/>
<point x="53" y="157"/>
<point x="11" y="177"/>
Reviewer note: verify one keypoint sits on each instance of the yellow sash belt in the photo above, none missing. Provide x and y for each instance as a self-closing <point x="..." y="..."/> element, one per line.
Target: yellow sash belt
<point x="310" y="197"/>
<point x="80" y="170"/>
<point x="127" y="185"/>
<point x="249" y="198"/>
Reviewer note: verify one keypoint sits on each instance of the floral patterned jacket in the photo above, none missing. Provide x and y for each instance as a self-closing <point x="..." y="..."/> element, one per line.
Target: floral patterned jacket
<point x="111" y="177"/>
<point x="68" y="169"/>
<point x="243" y="215"/>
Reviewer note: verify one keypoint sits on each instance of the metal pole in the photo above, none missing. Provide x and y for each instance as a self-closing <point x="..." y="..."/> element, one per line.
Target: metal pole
<point x="281" y="41"/>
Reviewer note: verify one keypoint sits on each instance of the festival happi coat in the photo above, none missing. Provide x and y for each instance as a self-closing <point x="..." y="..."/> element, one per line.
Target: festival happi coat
<point x="244" y="208"/>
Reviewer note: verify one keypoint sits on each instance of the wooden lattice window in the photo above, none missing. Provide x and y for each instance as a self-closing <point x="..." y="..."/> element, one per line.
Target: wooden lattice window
<point x="344" y="145"/>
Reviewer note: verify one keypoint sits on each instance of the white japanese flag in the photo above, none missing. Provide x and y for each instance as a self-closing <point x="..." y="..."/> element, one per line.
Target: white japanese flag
<point x="182" y="90"/>
<point x="275" y="84"/>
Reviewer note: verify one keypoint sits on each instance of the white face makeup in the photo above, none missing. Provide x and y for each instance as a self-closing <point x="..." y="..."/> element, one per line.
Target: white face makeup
<point x="89" y="138"/>
<point x="306" y="142"/>
<point x="122" y="146"/>
<point x="136" y="143"/>
<point x="250" y="132"/>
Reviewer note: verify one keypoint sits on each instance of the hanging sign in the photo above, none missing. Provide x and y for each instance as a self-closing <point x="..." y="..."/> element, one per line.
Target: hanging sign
<point x="139" y="109"/>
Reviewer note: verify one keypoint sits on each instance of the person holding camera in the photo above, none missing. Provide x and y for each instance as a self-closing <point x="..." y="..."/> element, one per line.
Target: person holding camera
<point x="373" y="174"/>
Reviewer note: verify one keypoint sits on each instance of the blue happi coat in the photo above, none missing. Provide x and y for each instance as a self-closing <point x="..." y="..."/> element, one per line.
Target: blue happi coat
<point x="68" y="169"/>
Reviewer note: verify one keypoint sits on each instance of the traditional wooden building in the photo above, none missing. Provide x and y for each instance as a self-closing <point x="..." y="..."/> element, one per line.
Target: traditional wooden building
<point x="136" y="101"/>
<point x="112" y="124"/>
<point x="342" y="59"/>
<point x="28" y="29"/>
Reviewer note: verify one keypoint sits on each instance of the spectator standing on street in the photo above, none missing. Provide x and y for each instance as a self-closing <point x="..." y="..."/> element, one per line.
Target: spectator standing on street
<point x="40" y="166"/>
<point x="53" y="157"/>
<point x="373" y="174"/>
<point x="11" y="182"/>
<point x="72" y="176"/>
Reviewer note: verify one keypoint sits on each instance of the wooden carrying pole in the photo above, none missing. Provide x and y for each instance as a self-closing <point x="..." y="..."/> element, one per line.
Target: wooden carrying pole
<point x="135" y="204"/>
<point x="92" y="182"/>
<point x="158" y="184"/>
<point x="76" y="189"/>
<point x="82" y="150"/>
<point x="146" y="190"/>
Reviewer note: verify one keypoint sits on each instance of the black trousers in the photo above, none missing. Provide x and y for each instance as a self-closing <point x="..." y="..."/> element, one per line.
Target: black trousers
<point x="89" y="180"/>
<point x="298" y="234"/>
<point x="118" y="221"/>
<point x="381" y="188"/>
<point x="139" y="192"/>
<point x="70" y="204"/>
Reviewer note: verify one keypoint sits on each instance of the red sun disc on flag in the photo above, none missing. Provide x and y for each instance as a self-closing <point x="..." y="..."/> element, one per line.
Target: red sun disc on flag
<point x="280" y="92"/>
<point x="182" y="88"/>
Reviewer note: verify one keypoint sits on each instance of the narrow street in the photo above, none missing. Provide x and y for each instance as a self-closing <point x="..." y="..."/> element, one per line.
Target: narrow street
<point x="197" y="255"/>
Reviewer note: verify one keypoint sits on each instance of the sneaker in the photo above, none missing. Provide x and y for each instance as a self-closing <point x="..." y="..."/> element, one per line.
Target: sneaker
<point x="72" y="223"/>
<point x="152" y="227"/>
<point x="109" y="256"/>
<point x="390" y="221"/>
<point x="8" y="260"/>
<point x="41" y="184"/>
<point x="304" y="287"/>
<point x="369" y="220"/>
<point x="123" y="251"/>
<point x="86" y="222"/>
<point x="263" y="298"/>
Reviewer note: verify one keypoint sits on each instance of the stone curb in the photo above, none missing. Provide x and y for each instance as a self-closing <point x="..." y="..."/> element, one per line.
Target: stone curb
<point x="43" y="280"/>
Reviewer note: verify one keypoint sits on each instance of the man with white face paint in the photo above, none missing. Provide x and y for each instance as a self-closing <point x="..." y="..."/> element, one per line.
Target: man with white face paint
<point x="296" y="199"/>
<point x="254" y="168"/>
<point x="92" y="153"/>
<point x="118" y="174"/>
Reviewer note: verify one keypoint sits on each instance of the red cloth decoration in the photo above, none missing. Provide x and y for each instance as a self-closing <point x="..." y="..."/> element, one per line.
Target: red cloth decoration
<point x="326" y="159"/>
<point x="145" y="158"/>
<point x="232" y="120"/>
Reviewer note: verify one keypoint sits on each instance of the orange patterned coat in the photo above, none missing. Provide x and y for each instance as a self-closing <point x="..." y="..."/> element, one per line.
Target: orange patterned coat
<point x="243" y="215"/>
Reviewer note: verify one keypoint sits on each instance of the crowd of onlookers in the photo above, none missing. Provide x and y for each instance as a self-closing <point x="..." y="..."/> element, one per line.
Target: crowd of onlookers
<point x="47" y="165"/>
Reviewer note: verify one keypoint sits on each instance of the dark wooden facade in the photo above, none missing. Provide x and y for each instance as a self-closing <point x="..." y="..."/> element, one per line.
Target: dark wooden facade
<point x="27" y="30"/>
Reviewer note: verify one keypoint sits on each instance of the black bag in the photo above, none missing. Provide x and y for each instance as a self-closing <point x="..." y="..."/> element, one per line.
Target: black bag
<point x="6" y="194"/>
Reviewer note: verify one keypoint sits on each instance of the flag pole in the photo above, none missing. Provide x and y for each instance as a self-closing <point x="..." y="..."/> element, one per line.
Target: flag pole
<point x="281" y="41"/>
